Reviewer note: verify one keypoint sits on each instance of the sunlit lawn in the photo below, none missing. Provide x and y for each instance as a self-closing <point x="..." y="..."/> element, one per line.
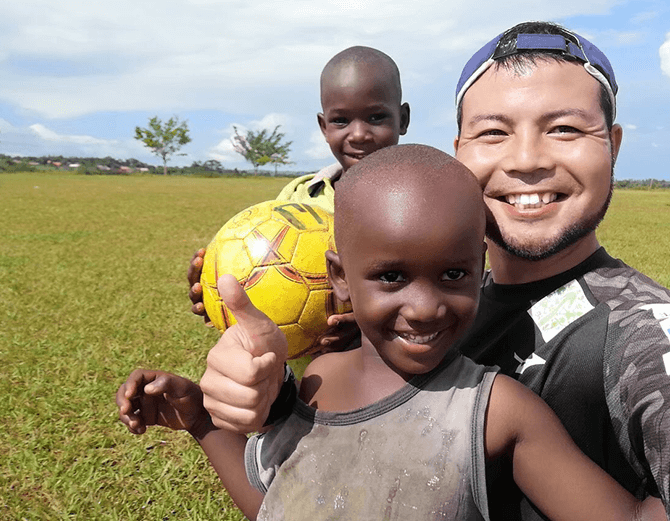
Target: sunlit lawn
<point x="93" y="285"/>
<point x="93" y="274"/>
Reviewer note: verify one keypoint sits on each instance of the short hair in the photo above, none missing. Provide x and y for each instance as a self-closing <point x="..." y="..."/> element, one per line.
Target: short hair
<point x="361" y="55"/>
<point x="376" y="173"/>
<point x="518" y="62"/>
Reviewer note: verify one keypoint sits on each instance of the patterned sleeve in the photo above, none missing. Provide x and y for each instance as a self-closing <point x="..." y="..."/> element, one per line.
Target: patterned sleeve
<point x="637" y="385"/>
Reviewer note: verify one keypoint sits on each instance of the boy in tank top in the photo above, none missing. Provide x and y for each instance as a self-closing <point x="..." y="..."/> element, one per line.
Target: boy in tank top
<point x="402" y="427"/>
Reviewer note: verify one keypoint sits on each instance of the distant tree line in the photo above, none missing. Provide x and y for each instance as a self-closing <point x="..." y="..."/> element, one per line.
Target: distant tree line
<point x="84" y="165"/>
<point x="113" y="166"/>
<point x="642" y="183"/>
<point x="210" y="168"/>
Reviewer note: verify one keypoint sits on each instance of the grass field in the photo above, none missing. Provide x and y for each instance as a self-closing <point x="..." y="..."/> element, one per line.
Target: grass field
<point x="93" y="285"/>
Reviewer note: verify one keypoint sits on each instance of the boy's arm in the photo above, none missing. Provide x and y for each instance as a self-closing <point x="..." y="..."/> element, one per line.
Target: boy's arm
<point x="151" y="397"/>
<point x="548" y="467"/>
<point x="225" y="451"/>
<point x="158" y="398"/>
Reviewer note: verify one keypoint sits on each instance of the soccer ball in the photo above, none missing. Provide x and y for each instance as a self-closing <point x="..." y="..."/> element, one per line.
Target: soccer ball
<point x="276" y="250"/>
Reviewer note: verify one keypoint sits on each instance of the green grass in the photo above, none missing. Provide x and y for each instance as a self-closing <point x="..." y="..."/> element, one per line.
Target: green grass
<point x="637" y="230"/>
<point x="93" y="273"/>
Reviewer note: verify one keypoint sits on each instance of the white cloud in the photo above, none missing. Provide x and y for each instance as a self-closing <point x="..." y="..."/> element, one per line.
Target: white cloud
<point x="318" y="148"/>
<point x="270" y="121"/>
<point x="112" y="64"/>
<point x="223" y="151"/>
<point x="664" y="53"/>
<point x="79" y="57"/>
<point x="39" y="140"/>
<point x="613" y="38"/>
<point x="6" y="126"/>
<point x="629" y="126"/>
<point x="49" y="135"/>
<point x="628" y="37"/>
<point x="644" y="16"/>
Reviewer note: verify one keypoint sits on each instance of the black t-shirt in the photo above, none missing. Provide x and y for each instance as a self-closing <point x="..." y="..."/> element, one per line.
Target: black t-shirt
<point x="591" y="342"/>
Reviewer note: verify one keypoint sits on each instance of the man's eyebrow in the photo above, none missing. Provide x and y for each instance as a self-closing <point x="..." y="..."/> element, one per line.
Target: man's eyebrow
<point x="490" y="117"/>
<point x="547" y="116"/>
<point x="555" y="114"/>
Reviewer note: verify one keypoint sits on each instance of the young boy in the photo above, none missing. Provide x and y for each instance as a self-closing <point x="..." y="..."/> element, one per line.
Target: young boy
<point x="361" y="99"/>
<point x="402" y="427"/>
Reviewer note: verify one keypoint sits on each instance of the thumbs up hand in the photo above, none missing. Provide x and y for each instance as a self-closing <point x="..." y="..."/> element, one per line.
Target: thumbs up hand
<point x="245" y="369"/>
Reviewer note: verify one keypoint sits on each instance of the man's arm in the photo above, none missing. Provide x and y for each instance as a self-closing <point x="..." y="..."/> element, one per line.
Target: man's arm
<point x="637" y="386"/>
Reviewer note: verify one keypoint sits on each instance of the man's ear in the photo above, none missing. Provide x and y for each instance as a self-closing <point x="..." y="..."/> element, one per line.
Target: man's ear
<point x="616" y="135"/>
<point x="404" y="118"/>
<point x="337" y="276"/>
<point x="322" y="122"/>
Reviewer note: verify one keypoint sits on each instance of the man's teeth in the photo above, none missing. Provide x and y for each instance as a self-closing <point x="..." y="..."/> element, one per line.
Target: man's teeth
<point x="528" y="201"/>
<point x="417" y="339"/>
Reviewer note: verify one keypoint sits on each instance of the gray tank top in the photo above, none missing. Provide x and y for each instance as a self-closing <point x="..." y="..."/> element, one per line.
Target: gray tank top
<point x="416" y="454"/>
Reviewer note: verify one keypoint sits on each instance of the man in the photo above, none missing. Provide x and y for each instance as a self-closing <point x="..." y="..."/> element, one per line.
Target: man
<point x="579" y="328"/>
<point x="586" y="332"/>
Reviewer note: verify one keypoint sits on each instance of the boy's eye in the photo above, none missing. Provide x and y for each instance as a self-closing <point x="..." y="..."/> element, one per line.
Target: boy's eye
<point x="339" y="121"/>
<point x="377" y="118"/>
<point x="391" y="277"/>
<point x="452" y="275"/>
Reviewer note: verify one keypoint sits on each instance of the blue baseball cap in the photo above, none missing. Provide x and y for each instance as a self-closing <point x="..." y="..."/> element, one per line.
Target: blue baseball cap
<point x="566" y="44"/>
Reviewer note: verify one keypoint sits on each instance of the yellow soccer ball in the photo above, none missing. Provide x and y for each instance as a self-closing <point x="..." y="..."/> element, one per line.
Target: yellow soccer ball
<point x="276" y="250"/>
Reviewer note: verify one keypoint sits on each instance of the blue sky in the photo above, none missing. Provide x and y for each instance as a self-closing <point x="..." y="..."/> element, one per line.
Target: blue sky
<point x="76" y="77"/>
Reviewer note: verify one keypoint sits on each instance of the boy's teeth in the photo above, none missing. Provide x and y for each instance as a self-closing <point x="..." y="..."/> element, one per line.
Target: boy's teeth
<point x="528" y="201"/>
<point x="417" y="339"/>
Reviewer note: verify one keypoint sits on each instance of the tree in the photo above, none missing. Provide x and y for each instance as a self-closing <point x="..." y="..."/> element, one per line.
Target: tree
<point x="280" y="159"/>
<point x="164" y="139"/>
<point x="212" y="165"/>
<point x="260" y="148"/>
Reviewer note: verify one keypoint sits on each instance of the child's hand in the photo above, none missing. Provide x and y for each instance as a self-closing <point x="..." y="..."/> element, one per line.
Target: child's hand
<point x="195" y="289"/>
<point x="245" y="369"/>
<point x="159" y="398"/>
<point x="341" y="333"/>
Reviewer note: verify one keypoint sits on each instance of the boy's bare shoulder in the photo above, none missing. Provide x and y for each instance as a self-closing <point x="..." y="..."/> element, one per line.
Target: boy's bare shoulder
<point x="323" y="373"/>
<point x="514" y="412"/>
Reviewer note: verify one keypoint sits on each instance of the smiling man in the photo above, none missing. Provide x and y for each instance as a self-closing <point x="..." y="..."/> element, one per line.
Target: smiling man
<point x="589" y="334"/>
